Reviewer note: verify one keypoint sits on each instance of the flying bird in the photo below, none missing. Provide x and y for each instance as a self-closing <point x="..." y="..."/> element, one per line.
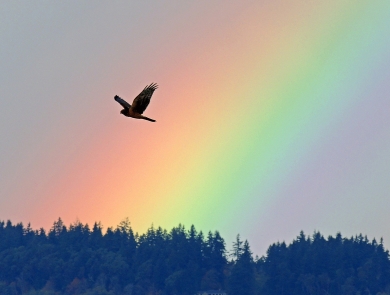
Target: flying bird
<point x="140" y="103"/>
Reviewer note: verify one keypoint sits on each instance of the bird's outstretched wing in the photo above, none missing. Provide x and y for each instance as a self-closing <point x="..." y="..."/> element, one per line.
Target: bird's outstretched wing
<point x="141" y="102"/>
<point x="123" y="102"/>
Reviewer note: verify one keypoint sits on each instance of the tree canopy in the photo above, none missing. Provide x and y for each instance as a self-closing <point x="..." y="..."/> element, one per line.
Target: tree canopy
<point x="87" y="261"/>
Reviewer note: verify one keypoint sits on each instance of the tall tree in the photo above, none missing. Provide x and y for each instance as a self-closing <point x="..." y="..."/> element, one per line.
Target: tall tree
<point x="242" y="278"/>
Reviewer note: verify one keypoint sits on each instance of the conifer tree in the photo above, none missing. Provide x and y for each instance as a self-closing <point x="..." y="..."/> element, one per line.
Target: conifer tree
<point x="242" y="279"/>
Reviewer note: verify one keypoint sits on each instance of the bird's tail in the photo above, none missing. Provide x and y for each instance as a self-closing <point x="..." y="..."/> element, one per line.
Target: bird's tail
<point x="146" y="118"/>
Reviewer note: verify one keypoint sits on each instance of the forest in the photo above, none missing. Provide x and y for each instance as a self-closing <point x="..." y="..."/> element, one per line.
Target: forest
<point x="87" y="261"/>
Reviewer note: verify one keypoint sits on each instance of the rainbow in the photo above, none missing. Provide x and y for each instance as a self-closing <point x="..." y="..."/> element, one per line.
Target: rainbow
<point x="246" y="117"/>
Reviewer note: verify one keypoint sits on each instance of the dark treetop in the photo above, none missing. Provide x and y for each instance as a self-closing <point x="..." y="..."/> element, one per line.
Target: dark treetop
<point x="79" y="260"/>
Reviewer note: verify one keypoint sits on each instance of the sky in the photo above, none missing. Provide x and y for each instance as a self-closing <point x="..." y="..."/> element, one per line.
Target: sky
<point x="272" y="116"/>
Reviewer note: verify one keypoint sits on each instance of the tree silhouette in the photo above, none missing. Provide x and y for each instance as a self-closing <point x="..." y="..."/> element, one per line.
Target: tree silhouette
<point x="242" y="279"/>
<point x="79" y="260"/>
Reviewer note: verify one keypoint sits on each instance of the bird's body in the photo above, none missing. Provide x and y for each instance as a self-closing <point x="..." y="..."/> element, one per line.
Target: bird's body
<point x="139" y="105"/>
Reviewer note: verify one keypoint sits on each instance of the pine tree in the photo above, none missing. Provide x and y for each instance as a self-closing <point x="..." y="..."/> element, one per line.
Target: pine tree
<point x="242" y="279"/>
<point x="237" y="248"/>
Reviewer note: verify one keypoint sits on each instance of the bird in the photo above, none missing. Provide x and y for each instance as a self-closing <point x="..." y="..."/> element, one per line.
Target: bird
<point x="140" y="103"/>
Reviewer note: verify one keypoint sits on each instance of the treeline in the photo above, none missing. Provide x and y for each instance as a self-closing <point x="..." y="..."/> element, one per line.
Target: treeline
<point x="79" y="260"/>
<point x="315" y="265"/>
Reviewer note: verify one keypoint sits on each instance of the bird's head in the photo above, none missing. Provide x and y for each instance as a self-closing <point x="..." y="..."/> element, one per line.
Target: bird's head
<point x="122" y="112"/>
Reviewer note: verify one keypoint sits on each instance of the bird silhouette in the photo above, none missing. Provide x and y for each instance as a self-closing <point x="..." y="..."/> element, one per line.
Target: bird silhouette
<point x="140" y="103"/>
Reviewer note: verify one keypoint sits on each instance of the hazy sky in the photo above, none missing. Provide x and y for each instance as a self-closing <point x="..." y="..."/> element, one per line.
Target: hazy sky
<point x="272" y="116"/>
